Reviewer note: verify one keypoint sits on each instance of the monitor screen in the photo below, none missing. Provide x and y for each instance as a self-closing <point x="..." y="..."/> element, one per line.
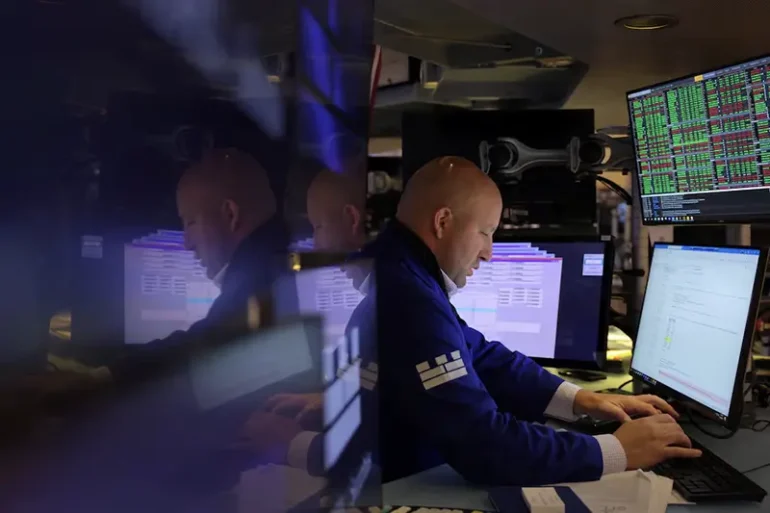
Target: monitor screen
<point x="696" y="321"/>
<point x="703" y="146"/>
<point x="548" y="299"/>
<point x="165" y="287"/>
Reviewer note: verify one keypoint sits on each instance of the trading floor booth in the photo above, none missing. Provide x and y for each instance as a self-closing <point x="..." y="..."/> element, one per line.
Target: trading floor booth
<point x="701" y="156"/>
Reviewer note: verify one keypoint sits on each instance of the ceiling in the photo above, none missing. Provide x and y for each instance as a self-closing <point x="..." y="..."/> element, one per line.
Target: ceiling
<point x="43" y="33"/>
<point x="710" y="33"/>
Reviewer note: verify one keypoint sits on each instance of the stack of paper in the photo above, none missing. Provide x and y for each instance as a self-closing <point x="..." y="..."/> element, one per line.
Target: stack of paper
<point x="630" y="492"/>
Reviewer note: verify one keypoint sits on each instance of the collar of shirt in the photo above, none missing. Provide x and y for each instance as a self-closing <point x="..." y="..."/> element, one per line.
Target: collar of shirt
<point x="220" y="276"/>
<point x="363" y="288"/>
<point x="449" y="285"/>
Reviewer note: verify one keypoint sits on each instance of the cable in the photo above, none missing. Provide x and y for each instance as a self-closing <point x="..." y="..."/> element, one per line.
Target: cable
<point x="617" y="389"/>
<point x="625" y="384"/>
<point x="760" y="467"/>
<point x="616" y="188"/>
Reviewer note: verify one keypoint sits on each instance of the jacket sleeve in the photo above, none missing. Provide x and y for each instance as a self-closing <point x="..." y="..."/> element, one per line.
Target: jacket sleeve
<point x="226" y="321"/>
<point x="516" y="383"/>
<point x="432" y="375"/>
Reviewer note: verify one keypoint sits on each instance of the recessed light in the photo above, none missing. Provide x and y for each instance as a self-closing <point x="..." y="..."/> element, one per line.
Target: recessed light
<point x="647" y="22"/>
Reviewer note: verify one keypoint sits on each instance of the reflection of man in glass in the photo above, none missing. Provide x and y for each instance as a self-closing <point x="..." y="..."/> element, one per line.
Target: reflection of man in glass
<point x="336" y="209"/>
<point x="229" y="216"/>
<point x="335" y="205"/>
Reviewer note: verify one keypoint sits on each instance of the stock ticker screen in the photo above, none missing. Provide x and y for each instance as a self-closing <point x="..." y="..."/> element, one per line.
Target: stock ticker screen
<point x="703" y="146"/>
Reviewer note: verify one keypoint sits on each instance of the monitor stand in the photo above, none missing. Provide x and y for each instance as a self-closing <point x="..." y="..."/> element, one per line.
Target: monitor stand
<point x="583" y="375"/>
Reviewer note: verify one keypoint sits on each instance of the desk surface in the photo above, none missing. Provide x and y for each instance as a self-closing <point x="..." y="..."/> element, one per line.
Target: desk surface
<point x="442" y="487"/>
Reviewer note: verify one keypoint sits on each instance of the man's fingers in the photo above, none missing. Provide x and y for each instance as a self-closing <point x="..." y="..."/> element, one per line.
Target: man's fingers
<point x="675" y="436"/>
<point x="275" y="400"/>
<point x="662" y="418"/>
<point x="681" y="452"/>
<point x="283" y="404"/>
<point x="310" y="418"/>
<point x="616" y="412"/>
<point x="646" y="409"/>
<point x="660" y="404"/>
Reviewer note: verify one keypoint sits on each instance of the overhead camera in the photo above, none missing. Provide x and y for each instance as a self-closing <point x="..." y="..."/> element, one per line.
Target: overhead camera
<point x="505" y="159"/>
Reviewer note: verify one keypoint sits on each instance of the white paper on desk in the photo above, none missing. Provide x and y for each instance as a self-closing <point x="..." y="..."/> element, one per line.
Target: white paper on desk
<point x="275" y="488"/>
<point x="627" y="492"/>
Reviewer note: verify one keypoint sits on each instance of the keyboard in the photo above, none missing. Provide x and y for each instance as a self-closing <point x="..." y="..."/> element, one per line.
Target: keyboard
<point x="709" y="479"/>
<point x="704" y="479"/>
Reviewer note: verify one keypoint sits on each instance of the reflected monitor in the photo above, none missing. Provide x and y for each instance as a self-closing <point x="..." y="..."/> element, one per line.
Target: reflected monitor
<point x="137" y="285"/>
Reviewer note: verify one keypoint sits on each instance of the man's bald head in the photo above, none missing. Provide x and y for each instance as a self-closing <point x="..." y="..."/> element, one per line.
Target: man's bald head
<point x="454" y="208"/>
<point x="221" y="200"/>
<point x="335" y="206"/>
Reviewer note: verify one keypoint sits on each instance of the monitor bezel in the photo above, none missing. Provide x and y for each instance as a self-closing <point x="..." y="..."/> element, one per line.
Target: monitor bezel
<point x="747" y="219"/>
<point x="600" y="362"/>
<point x="733" y="419"/>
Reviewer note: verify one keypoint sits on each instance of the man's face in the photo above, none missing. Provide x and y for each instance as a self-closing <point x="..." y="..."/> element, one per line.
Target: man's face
<point x="334" y="229"/>
<point x="467" y="239"/>
<point x="207" y="227"/>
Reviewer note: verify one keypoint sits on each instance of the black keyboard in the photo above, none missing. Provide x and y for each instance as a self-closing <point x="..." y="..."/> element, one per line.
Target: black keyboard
<point x="709" y="479"/>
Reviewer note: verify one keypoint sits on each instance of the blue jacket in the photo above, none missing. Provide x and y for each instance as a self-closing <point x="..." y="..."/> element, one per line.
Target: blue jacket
<point x="447" y="395"/>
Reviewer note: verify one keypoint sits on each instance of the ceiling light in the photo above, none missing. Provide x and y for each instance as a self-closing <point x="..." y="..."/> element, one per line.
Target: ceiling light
<point x="647" y="22"/>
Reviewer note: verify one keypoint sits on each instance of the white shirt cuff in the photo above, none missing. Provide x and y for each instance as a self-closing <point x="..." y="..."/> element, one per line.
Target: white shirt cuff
<point x="562" y="405"/>
<point x="299" y="448"/>
<point x="613" y="455"/>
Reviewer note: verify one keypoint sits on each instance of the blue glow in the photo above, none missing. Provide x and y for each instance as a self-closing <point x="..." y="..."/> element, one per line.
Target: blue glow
<point x="318" y="129"/>
<point x="334" y="16"/>
<point x="318" y="54"/>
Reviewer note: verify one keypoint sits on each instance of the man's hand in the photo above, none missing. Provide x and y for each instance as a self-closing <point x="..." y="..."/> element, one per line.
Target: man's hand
<point x="269" y="435"/>
<point x="307" y="409"/>
<point x="651" y="440"/>
<point x="620" y="407"/>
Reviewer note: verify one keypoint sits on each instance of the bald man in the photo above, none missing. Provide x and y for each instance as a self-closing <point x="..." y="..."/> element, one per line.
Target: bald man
<point x="335" y="207"/>
<point x="228" y="213"/>
<point x="448" y="395"/>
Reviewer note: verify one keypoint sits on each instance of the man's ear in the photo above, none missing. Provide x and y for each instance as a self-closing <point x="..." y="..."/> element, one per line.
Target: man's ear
<point x="353" y="215"/>
<point x="232" y="214"/>
<point x="442" y="220"/>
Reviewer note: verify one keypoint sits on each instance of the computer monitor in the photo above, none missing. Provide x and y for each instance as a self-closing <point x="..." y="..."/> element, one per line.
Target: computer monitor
<point x="137" y="285"/>
<point x="703" y="146"/>
<point x="546" y="298"/>
<point x="697" y="323"/>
